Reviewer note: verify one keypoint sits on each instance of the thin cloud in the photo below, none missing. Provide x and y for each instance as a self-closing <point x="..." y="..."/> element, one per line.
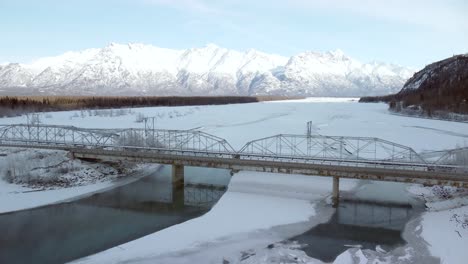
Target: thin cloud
<point x="449" y="16"/>
<point x="440" y="15"/>
<point x="198" y="6"/>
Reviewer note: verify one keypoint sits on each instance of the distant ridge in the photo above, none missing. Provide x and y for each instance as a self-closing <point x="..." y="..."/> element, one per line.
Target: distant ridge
<point x="138" y="69"/>
<point x="438" y="89"/>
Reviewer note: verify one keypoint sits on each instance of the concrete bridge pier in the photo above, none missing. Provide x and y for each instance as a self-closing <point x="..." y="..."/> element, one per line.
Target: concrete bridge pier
<point x="178" y="196"/>
<point x="336" y="192"/>
<point x="178" y="176"/>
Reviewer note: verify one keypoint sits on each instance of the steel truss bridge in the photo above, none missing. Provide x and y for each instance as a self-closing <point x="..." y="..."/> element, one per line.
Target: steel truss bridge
<point x="334" y="156"/>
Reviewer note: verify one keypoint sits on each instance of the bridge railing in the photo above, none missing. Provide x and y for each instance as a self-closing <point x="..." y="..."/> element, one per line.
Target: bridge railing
<point x="332" y="147"/>
<point x="59" y="135"/>
<point x="73" y="136"/>
<point x="172" y="139"/>
<point x="447" y="159"/>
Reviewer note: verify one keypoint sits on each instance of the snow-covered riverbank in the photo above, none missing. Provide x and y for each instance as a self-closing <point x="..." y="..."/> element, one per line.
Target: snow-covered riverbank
<point x="444" y="225"/>
<point x="32" y="178"/>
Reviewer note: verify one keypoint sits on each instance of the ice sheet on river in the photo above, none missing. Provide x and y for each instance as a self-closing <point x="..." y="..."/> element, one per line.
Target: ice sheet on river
<point x="241" y="220"/>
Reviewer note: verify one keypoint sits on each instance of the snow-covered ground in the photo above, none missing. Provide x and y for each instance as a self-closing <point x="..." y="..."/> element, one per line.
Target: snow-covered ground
<point x="444" y="226"/>
<point x="31" y="178"/>
<point x="260" y="209"/>
<point x="446" y="233"/>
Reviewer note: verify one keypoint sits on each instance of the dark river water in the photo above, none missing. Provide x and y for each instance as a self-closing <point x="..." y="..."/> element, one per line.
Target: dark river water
<point x="64" y="232"/>
<point x="357" y="224"/>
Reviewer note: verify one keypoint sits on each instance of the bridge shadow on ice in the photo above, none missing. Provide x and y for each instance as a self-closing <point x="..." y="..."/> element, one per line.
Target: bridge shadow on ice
<point x="357" y="224"/>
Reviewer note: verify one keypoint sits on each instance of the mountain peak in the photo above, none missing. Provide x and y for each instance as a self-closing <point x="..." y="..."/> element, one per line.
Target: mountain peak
<point x="135" y="68"/>
<point x="338" y="53"/>
<point x="211" y="46"/>
<point x="135" y="45"/>
<point x="315" y="55"/>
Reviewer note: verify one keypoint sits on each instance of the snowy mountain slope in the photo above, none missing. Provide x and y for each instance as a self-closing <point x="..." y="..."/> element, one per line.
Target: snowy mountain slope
<point x="441" y="86"/>
<point x="15" y="75"/>
<point x="449" y="70"/>
<point x="138" y="69"/>
<point x="439" y="90"/>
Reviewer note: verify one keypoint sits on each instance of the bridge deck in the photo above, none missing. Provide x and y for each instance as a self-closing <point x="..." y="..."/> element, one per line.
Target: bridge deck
<point x="346" y="157"/>
<point x="380" y="171"/>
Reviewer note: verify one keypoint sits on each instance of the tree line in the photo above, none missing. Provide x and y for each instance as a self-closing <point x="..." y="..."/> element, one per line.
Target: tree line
<point x="13" y="105"/>
<point x="17" y="105"/>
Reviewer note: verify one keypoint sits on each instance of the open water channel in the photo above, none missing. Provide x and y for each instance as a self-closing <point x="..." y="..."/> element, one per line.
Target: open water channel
<point x="360" y="224"/>
<point x="63" y="232"/>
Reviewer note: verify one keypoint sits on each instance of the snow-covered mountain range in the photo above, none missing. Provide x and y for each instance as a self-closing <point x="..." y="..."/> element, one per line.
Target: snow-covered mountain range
<point x="138" y="69"/>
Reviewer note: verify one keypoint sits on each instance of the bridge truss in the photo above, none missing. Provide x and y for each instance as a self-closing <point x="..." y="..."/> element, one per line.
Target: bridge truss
<point x="308" y="148"/>
<point x="332" y="148"/>
<point x="138" y="138"/>
<point x="454" y="157"/>
<point x="58" y="135"/>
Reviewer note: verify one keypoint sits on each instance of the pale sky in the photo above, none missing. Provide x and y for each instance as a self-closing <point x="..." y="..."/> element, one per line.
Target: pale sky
<point x="406" y="32"/>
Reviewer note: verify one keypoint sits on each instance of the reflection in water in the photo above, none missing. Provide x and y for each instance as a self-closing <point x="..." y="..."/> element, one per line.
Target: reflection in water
<point x="63" y="232"/>
<point x="202" y="195"/>
<point x="366" y="224"/>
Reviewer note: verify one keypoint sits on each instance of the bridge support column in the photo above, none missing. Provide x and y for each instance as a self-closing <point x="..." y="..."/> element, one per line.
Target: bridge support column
<point x="70" y="155"/>
<point x="178" y="195"/>
<point x="178" y="176"/>
<point x="336" y="192"/>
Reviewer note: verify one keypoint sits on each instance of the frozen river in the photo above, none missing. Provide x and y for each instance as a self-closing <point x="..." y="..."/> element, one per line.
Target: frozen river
<point x="259" y="209"/>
